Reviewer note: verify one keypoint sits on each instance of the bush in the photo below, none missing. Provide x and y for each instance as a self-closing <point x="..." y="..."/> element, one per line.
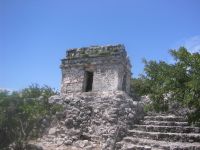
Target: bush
<point x="21" y="114"/>
<point x="178" y="82"/>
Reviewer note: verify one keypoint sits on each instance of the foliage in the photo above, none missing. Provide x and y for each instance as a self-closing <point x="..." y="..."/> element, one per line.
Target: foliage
<point x="139" y="86"/>
<point x="186" y="88"/>
<point x="22" y="113"/>
<point x="179" y="82"/>
<point x="148" y="107"/>
<point x="159" y="80"/>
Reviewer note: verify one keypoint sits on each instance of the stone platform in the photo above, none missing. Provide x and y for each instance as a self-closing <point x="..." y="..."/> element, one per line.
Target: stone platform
<point x="93" y="120"/>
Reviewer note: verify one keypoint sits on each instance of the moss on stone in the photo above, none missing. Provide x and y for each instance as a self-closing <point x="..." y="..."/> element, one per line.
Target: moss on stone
<point x="107" y="53"/>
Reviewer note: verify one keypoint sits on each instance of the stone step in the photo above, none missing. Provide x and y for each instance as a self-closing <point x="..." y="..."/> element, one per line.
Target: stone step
<point x="181" y="137"/>
<point x="165" y="123"/>
<point x="165" y="129"/>
<point x="131" y="146"/>
<point x="165" y="118"/>
<point x="164" y="145"/>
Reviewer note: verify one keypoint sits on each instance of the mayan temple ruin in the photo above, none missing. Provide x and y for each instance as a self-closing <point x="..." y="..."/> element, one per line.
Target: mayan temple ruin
<point x="99" y="114"/>
<point x="96" y="68"/>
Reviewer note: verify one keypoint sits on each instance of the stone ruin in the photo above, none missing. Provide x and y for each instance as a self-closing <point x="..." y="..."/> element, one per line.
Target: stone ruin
<point x="94" y="93"/>
<point x="99" y="114"/>
<point x="96" y="68"/>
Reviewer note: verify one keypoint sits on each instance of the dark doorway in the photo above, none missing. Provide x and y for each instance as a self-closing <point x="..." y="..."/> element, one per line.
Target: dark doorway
<point x="89" y="81"/>
<point x="124" y="83"/>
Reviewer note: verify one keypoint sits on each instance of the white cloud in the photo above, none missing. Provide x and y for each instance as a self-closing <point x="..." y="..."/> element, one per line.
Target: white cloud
<point x="192" y="44"/>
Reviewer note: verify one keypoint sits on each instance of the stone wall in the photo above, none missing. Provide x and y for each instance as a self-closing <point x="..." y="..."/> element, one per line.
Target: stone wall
<point x="124" y="75"/>
<point x="105" y="78"/>
<point x="72" y="80"/>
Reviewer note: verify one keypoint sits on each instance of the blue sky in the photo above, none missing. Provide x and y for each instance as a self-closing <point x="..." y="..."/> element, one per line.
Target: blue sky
<point x="34" y="34"/>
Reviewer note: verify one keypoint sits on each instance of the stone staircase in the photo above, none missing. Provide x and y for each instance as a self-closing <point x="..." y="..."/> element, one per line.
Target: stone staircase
<point x="161" y="132"/>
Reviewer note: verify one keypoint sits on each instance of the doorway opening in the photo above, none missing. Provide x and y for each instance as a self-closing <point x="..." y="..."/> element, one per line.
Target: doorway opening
<point x="89" y="80"/>
<point x="124" y="83"/>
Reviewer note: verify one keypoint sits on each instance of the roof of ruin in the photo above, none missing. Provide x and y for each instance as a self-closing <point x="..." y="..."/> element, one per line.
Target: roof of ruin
<point x="95" y="51"/>
<point x="96" y="55"/>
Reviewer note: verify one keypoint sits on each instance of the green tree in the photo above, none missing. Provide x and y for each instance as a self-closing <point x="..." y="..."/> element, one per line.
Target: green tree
<point x="180" y="80"/>
<point x="186" y="88"/>
<point x="139" y="87"/>
<point x="21" y="114"/>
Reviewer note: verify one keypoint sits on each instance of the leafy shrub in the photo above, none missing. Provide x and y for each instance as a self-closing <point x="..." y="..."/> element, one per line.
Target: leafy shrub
<point x="179" y="81"/>
<point x="21" y="115"/>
